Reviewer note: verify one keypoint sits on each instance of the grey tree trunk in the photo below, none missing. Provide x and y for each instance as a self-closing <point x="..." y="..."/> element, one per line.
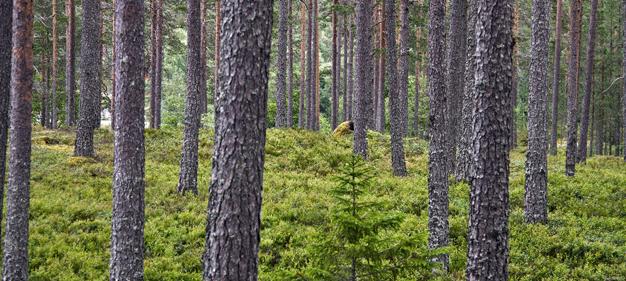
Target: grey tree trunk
<point x="438" y="152"/>
<point x="364" y="69"/>
<point x="535" y="204"/>
<point x="290" y="68"/>
<point x="346" y="38"/>
<point x="416" y="102"/>
<point x="556" y="77"/>
<point x="464" y="158"/>
<point x="6" y="10"/>
<point x="127" y="222"/>
<point x="457" y="49"/>
<point x="584" y="124"/>
<point x="44" y="95"/>
<point x="204" y="99"/>
<point x="379" y="103"/>
<point x="156" y="64"/>
<point x="152" y="62"/>
<point x="334" y="114"/>
<point x="89" y="79"/>
<point x="350" y="90"/>
<point x="403" y="69"/>
<point x="237" y="174"/>
<point x="113" y="55"/>
<point x="624" y="95"/>
<point x="15" y="263"/>
<point x="310" y="116"/>
<point x="70" y="62"/>
<point x="488" y="252"/>
<point x="599" y="142"/>
<point x="397" y="146"/>
<point x="281" y="67"/>
<point x="303" y="75"/>
<point x="188" y="180"/>
<point x="55" y="53"/>
<point x="572" y="86"/>
<point x="513" y="116"/>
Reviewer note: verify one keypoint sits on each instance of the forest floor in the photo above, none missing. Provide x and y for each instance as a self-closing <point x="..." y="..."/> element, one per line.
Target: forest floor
<point x="70" y="213"/>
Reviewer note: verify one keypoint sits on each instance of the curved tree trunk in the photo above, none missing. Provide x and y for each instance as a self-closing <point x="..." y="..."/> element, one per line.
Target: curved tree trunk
<point x="584" y="124"/>
<point x="303" y="81"/>
<point x="438" y="151"/>
<point x="188" y="180"/>
<point x="70" y="62"/>
<point x="363" y="88"/>
<point x="127" y="219"/>
<point x="535" y="204"/>
<point x="238" y="165"/>
<point x="397" y="146"/>
<point x="89" y="79"/>
<point x="15" y="263"/>
<point x="403" y="69"/>
<point x="488" y="247"/>
<point x="281" y="67"/>
<point x="572" y="86"/>
<point x="6" y="10"/>
<point x="464" y="158"/>
<point x="556" y="77"/>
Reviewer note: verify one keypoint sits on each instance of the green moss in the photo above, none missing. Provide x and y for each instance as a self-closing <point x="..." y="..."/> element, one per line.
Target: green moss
<point x="585" y="238"/>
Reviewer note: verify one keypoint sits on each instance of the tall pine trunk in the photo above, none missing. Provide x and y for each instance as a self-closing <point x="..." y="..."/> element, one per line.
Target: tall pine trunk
<point x="457" y="49"/>
<point x="55" y="58"/>
<point x="535" y="204"/>
<point x="591" y="47"/>
<point x="379" y="104"/>
<point x="127" y="219"/>
<point x="556" y="77"/>
<point x="488" y="247"/>
<point x="416" y="101"/>
<point x="310" y="118"/>
<point x="281" y="66"/>
<point x="113" y="82"/>
<point x="204" y="99"/>
<point x="350" y="89"/>
<point x="624" y="90"/>
<point x="572" y="86"/>
<point x="363" y="69"/>
<point x="156" y="65"/>
<point x="6" y="10"/>
<point x="237" y="171"/>
<point x="346" y="39"/>
<point x="188" y="180"/>
<point x="70" y="62"/>
<point x="89" y="79"/>
<point x="290" y="67"/>
<point x="303" y="75"/>
<point x="334" y="115"/>
<point x="15" y="262"/>
<point x="438" y="151"/>
<point x="403" y="69"/>
<point x="218" y="36"/>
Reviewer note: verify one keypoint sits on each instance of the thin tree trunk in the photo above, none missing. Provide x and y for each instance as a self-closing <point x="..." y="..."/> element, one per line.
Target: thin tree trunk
<point x="70" y="61"/>
<point x="243" y="84"/>
<point x="464" y="158"/>
<point x="488" y="247"/>
<point x="281" y="67"/>
<point x="89" y="79"/>
<point x="335" y="68"/>
<point x="572" y="86"/>
<point x="203" y="58"/>
<point x="403" y="69"/>
<point x="218" y="35"/>
<point x="55" y="59"/>
<point x="346" y="39"/>
<point x="556" y="77"/>
<point x="364" y="82"/>
<point x="416" y="102"/>
<point x="45" y="86"/>
<point x="600" y="114"/>
<point x="317" y="66"/>
<point x="153" y="59"/>
<point x="380" y="95"/>
<point x="457" y="49"/>
<point x="310" y="119"/>
<point x="397" y="146"/>
<point x="159" y="66"/>
<point x="535" y="204"/>
<point x="290" y="67"/>
<point x="303" y="81"/>
<point x="624" y="90"/>
<point x="188" y="180"/>
<point x="584" y="124"/>
<point x="113" y="80"/>
<point x="15" y="264"/>
<point x="514" y="93"/>
<point x="438" y="156"/>
<point x="127" y="222"/>
<point x="6" y="17"/>
<point x="350" y="91"/>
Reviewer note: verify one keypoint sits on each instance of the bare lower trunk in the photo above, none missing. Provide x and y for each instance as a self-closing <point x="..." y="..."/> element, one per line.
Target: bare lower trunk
<point x="363" y="69"/>
<point x="556" y="78"/>
<point x="379" y="124"/>
<point x="6" y="11"/>
<point x="281" y="67"/>
<point x="70" y="61"/>
<point x="303" y="87"/>
<point x="290" y="69"/>
<point x="624" y="94"/>
<point x="346" y="38"/>
<point x="584" y="124"/>
<point x="334" y="119"/>
<point x="403" y="69"/>
<point x="55" y="59"/>
<point x="572" y="86"/>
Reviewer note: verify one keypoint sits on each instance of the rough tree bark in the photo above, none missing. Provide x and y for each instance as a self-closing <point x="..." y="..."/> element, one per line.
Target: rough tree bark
<point x="379" y="104"/>
<point x="127" y="222"/>
<point x="488" y="252"/>
<point x="281" y="67"/>
<point x="346" y="37"/>
<point x="416" y="102"/>
<point x="156" y="64"/>
<point x="290" y="67"/>
<point x="70" y="62"/>
<point x="624" y="90"/>
<point x="556" y="77"/>
<point x="55" y="58"/>
<point x="188" y="180"/>
<point x="334" y="115"/>
<point x="397" y="146"/>
<point x="6" y="10"/>
<point x="303" y="75"/>
<point x="457" y="50"/>
<point x="464" y="158"/>
<point x="204" y="99"/>
<point x="403" y="69"/>
<point x="350" y="89"/>
<point x="218" y="36"/>
<point x="237" y="174"/>
<point x="310" y="115"/>
<point x="591" y="48"/>
<point x="363" y="69"/>
<point x="113" y="82"/>
<point x="535" y="204"/>
<point x="15" y="264"/>
<point x="89" y="79"/>
<point x="152" y="62"/>
<point x="438" y="152"/>
<point x="572" y="86"/>
<point x="316" y="52"/>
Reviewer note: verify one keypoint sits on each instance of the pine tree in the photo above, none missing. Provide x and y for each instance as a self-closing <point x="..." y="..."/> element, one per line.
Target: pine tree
<point x="624" y="95"/>
<point x="156" y="64"/>
<point x="403" y="68"/>
<point x="238" y="166"/>
<point x="70" y="62"/>
<point x="281" y="66"/>
<point x="379" y="100"/>
<point x="127" y="219"/>
<point x="556" y="76"/>
<point x="536" y="207"/>
<point x="6" y="10"/>
<point x="584" y="124"/>
<point x="572" y="86"/>
<point x="15" y="263"/>
<point x="55" y="58"/>
<point x="303" y="75"/>
<point x="334" y="115"/>
<point x="488" y="245"/>
<point x="363" y="70"/>
<point x="290" y="67"/>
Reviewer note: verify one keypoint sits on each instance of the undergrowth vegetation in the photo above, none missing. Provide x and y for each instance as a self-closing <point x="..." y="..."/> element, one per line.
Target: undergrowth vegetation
<point x="585" y="238"/>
